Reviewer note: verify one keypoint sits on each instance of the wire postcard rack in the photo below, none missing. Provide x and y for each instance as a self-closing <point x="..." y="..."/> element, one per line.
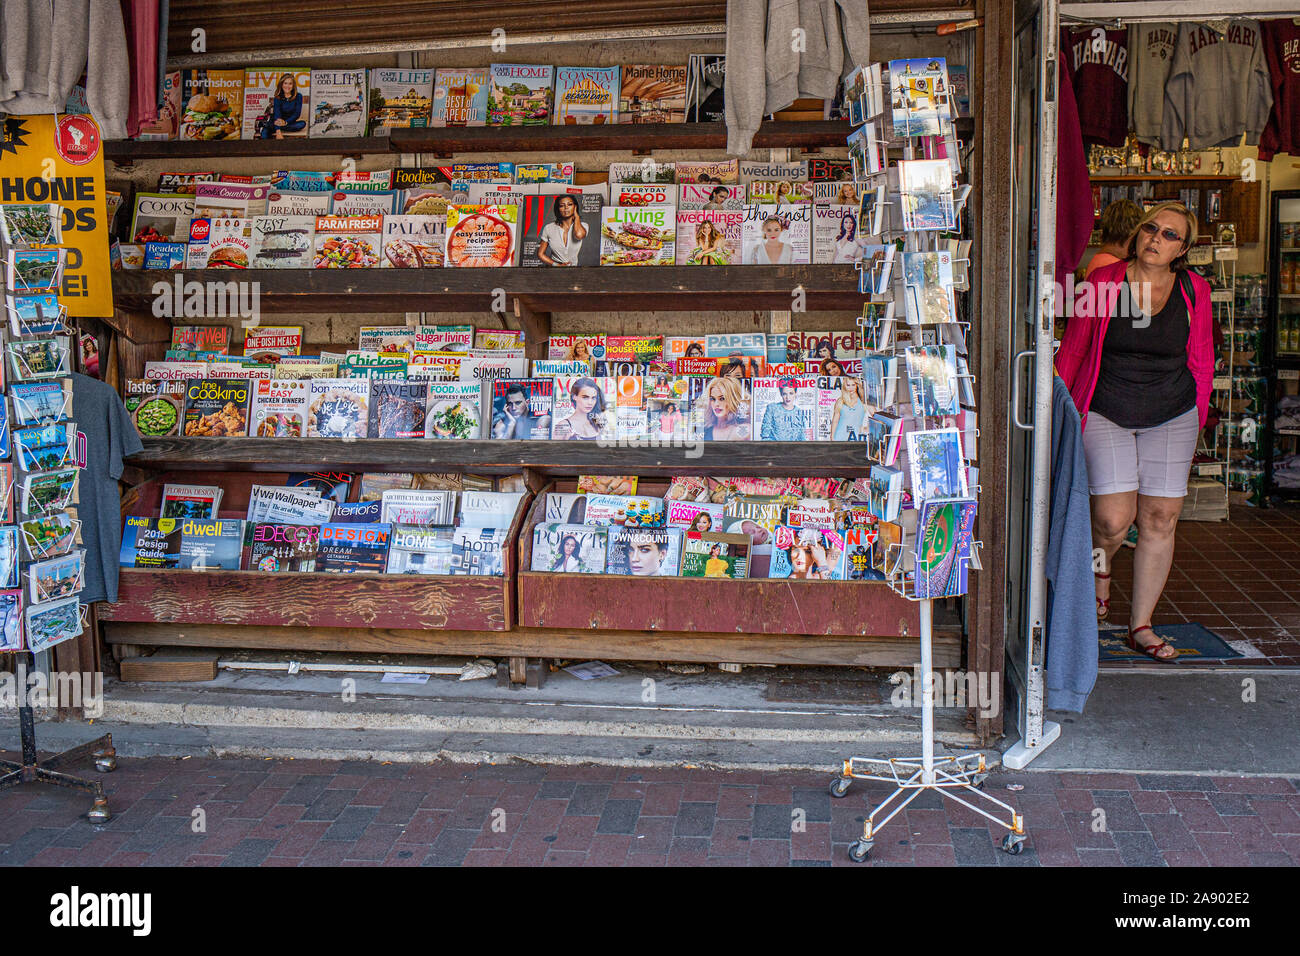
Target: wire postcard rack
<point x="934" y="548"/>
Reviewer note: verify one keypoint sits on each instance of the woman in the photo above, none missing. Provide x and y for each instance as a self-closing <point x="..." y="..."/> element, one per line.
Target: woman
<point x="561" y="239"/>
<point x="695" y="350"/>
<point x="849" y="411"/>
<point x="809" y="562"/>
<point x="782" y="192"/>
<point x="733" y="368"/>
<point x="773" y="250"/>
<point x="831" y="367"/>
<point x="716" y="566"/>
<point x="1118" y="222"/>
<point x="581" y="351"/>
<point x="848" y="194"/>
<point x="718" y="197"/>
<point x="710" y="246"/>
<point x="1142" y="386"/>
<point x="701" y="522"/>
<point x="725" y="408"/>
<point x="570" y="557"/>
<point x="670" y="420"/>
<point x="588" y="418"/>
<point x="286" y="108"/>
<point x="846" y="243"/>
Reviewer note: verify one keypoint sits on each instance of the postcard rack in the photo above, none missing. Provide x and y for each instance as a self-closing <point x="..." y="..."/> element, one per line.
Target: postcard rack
<point x="41" y="577"/>
<point x="934" y="547"/>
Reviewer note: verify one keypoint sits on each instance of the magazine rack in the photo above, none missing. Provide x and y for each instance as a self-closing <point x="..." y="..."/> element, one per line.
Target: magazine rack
<point x="954" y="776"/>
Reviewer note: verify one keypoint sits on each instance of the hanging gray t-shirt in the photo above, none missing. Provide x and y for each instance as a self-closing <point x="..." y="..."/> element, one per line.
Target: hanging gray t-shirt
<point x="106" y="437"/>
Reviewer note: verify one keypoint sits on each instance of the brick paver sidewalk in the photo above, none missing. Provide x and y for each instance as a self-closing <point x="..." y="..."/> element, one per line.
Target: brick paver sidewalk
<point x="309" y="812"/>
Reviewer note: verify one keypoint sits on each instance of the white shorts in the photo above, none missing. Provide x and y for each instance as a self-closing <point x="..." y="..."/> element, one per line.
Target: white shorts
<point x="1151" y="461"/>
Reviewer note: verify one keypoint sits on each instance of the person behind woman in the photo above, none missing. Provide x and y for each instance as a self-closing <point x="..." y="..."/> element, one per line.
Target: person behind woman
<point x="286" y="110"/>
<point x="724" y="410"/>
<point x="1118" y="222"/>
<point x="1138" y="358"/>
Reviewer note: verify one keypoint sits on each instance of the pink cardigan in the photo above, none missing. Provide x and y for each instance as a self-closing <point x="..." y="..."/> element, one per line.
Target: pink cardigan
<point x="1078" y="361"/>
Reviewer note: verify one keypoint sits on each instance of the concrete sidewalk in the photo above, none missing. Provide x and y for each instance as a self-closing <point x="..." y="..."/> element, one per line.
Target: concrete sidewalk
<point x="314" y="812"/>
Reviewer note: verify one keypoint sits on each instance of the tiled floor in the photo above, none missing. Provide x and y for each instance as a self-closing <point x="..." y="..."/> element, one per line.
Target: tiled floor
<point x="1239" y="578"/>
<point x="311" y="812"/>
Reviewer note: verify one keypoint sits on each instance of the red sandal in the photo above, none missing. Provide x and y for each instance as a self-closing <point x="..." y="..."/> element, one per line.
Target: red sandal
<point x="1103" y="604"/>
<point x="1153" y="650"/>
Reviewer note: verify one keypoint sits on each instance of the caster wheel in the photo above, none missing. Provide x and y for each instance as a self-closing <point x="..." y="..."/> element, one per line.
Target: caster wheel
<point x="839" y="786"/>
<point x="859" y="851"/>
<point x="1015" y="845"/>
<point x="106" y="763"/>
<point x="99" y="812"/>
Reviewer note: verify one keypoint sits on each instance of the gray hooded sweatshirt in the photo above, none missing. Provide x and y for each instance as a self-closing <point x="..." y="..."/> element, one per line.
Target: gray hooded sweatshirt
<point x="779" y="50"/>
<point x="1218" y="87"/>
<point x="45" y="47"/>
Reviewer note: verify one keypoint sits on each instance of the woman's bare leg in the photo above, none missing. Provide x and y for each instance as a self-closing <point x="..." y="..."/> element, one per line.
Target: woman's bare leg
<point x="1157" y="519"/>
<point x="1111" y="517"/>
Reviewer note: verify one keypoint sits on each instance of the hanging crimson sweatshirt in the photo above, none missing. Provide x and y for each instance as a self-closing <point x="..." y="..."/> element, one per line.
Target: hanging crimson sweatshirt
<point x="1097" y="61"/>
<point x="1218" y="86"/>
<point x="1074" y="213"/>
<point x="1282" y="52"/>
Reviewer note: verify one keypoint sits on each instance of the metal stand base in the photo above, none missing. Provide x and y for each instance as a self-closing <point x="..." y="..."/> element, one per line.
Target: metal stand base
<point x="43" y="771"/>
<point x="949" y="776"/>
<point x="1018" y="755"/>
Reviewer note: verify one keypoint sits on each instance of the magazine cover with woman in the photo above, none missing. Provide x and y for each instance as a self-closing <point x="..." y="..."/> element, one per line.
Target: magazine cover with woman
<point x="708" y="237"/>
<point x="584" y="408"/>
<point x="807" y="554"/>
<point x="645" y="552"/>
<point x="569" y="548"/>
<point x="720" y="408"/>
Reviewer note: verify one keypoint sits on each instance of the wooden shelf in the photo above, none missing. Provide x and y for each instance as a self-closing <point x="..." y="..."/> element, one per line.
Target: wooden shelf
<point x="637" y="137"/>
<point x="823" y="459"/>
<point x="1160" y="178"/>
<point x="589" y="289"/>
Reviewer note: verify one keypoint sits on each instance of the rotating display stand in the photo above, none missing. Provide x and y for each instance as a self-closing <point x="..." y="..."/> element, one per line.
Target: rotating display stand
<point x="956" y="777"/>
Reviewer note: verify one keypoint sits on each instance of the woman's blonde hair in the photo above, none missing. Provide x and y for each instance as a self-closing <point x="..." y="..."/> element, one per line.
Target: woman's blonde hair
<point x="733" y="394"/>
<point x="1189" y="240"/>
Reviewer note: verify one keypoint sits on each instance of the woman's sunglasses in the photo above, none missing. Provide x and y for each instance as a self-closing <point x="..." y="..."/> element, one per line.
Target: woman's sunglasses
<point x="1151" y="229"/>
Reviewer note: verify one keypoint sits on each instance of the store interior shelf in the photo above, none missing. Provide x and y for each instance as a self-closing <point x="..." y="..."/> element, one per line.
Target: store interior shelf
<point x="586" y="289"/>
<point x="829" y="459"/>
<point x="638" y="137"/>
<point x="1161" y="177"/>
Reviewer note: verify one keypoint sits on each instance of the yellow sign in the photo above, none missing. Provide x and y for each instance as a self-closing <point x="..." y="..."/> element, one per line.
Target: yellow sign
<point x="61" y="160"/>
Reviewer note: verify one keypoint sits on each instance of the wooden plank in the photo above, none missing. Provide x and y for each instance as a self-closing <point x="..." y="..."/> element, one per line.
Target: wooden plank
<point x="583" y="289"/>
<point x="170" y="666"/>
<point x="826" y="650"/>
<point x="830" y="459"/>
<point x="139" y="326"/>
<point x="325" y="600"/>
<point x="124" y="152"/>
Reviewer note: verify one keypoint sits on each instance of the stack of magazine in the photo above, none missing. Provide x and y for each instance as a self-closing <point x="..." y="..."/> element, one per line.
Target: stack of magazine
<point x="42" y="571"/>
<point x="921" y="430"/>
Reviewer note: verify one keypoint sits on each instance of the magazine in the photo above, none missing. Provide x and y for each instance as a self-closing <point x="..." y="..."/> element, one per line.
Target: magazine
<point x="347" y="242"/>
<point x="352" y="547"/>
<point x="478" y="551"/>
<point x="57" y="577"/>
<point x="932" y="375"/>
<point x="278" y="547"/>
<point x="757" y="517"/>
<point x="943" y="547"/>
<point x="856" y="560"/>
<point x="720" y="408"/>
<point x="339" y="408"/>
<point x="560" y="229"/>
<point x="776" y="235"/>
<point x="203" y="338"/>
<point x="841" y="408"/>
<point x="928" y="287"/>
<point x="652" y="94"/>
<point x="667" y="402"/>
<point x="810" y="554"/>
<point x="276" y="503"/>
<point x="925" y="191"/>
<point x="695" y="516"/>
<point x="586" y="95"/>
<point x="631" y="411"/>
<point x="228" y="200"/>
<point x="150" y="543"/>
<point x="641" y="236"/>
<point x="644" y="551"/>
<point x="521" y="408"/>
<point x="268" y="343"/>
<point x="328" y="484"/>
<point x="213" y="103"/>
<point x="277" y="102"/>
<point x="398" y="409"/>
<point x="423" y="508"/>
<point x="282" y="242"/>
<point x="777" y="192"/>
<point x="208" y="545"/>
<point x="785" y="409"/>
<point x="811" y="513"/>
<point x="385" y="338"/>
<point x="835" y="234"/>
<point x="521" y="95"/>
<point x="708" y="196"/>
<point x="338" y="103"/>
<point x="636" y="511"/>
<point x="706" y="76"/>
<point x="357" y="511"/>
<point x="550" y="368"/>
<point x="710" y="554"/>
<point x="488" y="509"/>
<point x="583" y="408"/>
<point x="413" y="242"/>
<point x="52" y="623"/>
<point x="646" y="172"/>
<point x="937" y="470"/>
<point x="636" y="194"/>
<point x="549" y="174"/>
<point x="453" y="410"/>
<point x="481" y="236"/>
<point x="216" y="408"/>
<point x="399" y="99"/>
<point x="460" y="98"/>
<point x="708" y="237"/>
<point x="443" y="338"/>
<point x="201" y="502"/>
<point x="566" y="508"/>
<point x="569" y="548"/>
<point x="418" y="550"/>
